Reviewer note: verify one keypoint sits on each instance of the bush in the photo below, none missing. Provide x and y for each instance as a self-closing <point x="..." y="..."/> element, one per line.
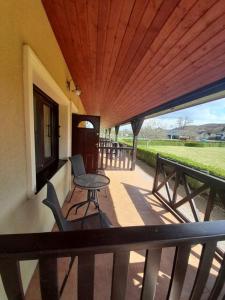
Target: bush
<point x="144" y="143"/>
<point x="147" y="156"/>
<point x="195" y="144"/>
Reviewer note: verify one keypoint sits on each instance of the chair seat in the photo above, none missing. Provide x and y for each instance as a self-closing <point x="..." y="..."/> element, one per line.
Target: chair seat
<point x="93" y="221"/>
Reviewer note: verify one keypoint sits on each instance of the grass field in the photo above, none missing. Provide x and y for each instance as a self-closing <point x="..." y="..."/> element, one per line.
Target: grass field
<point x="209" y="157"/>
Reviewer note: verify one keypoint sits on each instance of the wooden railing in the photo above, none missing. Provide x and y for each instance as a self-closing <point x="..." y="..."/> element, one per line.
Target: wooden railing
<point x="172" y="178"/>
<point x="115" y="157"/>
<point x="105" y="142"/>
<point x="85" y="244"/>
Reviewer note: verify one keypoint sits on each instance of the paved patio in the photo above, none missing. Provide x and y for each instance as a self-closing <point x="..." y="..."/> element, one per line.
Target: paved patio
<point x="129" y="202"/>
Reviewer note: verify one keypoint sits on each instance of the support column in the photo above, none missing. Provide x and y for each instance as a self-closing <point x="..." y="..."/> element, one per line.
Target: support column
<point x="109" y="130"/>
<point x="105" y="133"/>
<point x="136" y="127"/>
<point x="117" y="127"/>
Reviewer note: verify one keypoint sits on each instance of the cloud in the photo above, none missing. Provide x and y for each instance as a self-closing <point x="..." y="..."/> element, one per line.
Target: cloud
<point x="211" y="112"/>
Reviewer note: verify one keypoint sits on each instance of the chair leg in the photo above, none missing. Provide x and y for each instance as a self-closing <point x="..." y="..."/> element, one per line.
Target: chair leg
<point x="67" y="275"/>
<point x="71" y="194"/>
<point x="95" y="199"/>
<point x="77" y="205"/>
<point x="87" y="208"/>
<point x="80" y="205"/>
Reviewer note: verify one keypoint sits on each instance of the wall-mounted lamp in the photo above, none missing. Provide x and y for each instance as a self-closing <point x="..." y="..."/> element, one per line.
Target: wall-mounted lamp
<point x="77" y="91"/>
<point x="72" y="87"/>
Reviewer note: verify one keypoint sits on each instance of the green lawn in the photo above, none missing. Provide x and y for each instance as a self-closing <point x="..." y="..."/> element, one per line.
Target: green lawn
<point x="211" y="156"/>
<point x="208" y="156"/>
<point x="211" y="159"/>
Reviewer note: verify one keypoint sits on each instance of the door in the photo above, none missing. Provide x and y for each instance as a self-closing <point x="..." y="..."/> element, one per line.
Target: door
<point x="85" y="139"/>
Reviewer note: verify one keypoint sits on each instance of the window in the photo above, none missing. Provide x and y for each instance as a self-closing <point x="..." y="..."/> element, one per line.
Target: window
<point x="46" y="136"/>
<point x="85" y="124"/>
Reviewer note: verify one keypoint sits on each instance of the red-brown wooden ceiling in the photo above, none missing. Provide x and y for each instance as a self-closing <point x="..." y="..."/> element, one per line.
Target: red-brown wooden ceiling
<point x="130" y="56"/>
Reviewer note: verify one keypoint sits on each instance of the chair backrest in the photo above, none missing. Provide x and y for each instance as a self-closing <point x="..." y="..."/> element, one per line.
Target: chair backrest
<point x="77" y="165"/>
<point x="53" y="203"/>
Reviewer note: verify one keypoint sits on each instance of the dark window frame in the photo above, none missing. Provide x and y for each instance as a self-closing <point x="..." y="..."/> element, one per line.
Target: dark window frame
<point x="45" y="166"/>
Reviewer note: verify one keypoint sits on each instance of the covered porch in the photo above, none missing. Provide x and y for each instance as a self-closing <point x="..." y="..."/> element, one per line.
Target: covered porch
<point x="61" y="58"/>
<point x="129" y="202"/>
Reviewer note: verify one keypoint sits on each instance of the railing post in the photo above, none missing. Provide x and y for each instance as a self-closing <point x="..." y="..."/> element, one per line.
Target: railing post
<point x="136" y="127"/>
<point x="117" y="127"/>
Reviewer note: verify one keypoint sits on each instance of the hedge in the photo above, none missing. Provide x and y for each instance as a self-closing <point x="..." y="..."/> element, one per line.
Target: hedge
<point x="149" y="156"/>
<point x="142" y="142"/>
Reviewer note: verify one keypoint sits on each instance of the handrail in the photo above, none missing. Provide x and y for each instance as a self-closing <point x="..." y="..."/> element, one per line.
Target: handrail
<point x="35" y="245"/>
<point x="118" y="148"/>
<point x="48" y="247"/>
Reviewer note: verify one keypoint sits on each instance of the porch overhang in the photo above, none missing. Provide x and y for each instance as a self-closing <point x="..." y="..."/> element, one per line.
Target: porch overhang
<point x="129" y="57"/>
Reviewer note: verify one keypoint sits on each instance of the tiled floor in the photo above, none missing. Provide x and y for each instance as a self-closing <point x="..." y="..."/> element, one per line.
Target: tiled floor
<point x="129" y="202"/>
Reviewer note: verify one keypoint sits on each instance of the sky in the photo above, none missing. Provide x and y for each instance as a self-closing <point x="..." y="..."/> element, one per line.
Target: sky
<point x="211" y="112"/>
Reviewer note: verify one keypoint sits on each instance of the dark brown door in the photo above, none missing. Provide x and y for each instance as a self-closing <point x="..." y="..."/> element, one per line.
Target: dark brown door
<point x="85" y="139"/>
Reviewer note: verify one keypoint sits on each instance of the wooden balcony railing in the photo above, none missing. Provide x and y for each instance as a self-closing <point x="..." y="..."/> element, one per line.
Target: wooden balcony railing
<point x="85" y="244"/>
<point x="115" y="157"/>
<point x="170" y="176"/>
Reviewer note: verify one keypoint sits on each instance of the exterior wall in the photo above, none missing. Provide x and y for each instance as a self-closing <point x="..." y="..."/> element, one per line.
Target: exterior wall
<point x="25" y="22"/>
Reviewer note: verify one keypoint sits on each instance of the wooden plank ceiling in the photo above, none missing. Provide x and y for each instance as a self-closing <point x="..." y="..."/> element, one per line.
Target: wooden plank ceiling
<point x="130" y="56"/>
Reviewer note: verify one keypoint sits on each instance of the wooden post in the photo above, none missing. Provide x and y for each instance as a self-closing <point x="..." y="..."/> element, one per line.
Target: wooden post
<point x="136" y="127"/>
<point x="117" y="127"/>
<point x="105" y="133"/>
<point x="109" y="130"/>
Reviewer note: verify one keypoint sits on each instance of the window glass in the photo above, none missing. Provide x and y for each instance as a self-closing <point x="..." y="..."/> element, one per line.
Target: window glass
<point x="85" y="124"/>
<point x="47" y="131"/>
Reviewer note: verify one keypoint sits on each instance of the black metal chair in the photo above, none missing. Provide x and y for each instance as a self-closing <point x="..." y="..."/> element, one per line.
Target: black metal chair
<point x="94" y="221"/>
<point x="78" y="169"/>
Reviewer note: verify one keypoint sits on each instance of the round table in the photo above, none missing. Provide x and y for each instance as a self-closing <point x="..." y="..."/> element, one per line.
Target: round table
<point x="92" y="183"/>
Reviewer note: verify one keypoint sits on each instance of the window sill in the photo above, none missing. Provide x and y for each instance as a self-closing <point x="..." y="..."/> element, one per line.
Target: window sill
<point x="46" y="174"/>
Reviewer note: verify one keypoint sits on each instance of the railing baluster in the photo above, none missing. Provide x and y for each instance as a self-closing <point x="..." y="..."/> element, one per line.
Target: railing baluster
<point x="119" y="276"/>
<point x="86" y="277"/>
<point x="120" y="158"/>
<point x="106" y="159"/>
<point x="11" y="279"/>
<point x="191" y="201"/>
<point x="128" y="158"/>
<point x="111" y="157"/>
<point x="176" y="184"/>
<point x="166" y="182"/>
<point x="157" y="172"/>
<point x="179" y="271"/>
<point x="48" y="278"/>
<point x="151" y="270"/>
<point x="102" y="156"/>
<point x="219" y="282"/>
<point x="210" y="202"/>
<point x="124" y="158"/>
<point x="203" y="270"/>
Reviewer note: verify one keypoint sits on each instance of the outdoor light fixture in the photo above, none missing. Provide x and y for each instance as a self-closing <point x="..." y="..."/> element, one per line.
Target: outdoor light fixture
<point x="72" y="87"/>
<point x="77" y="91"/>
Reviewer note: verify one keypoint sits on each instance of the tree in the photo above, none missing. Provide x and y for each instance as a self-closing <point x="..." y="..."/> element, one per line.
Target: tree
<point x="182" y="122"/>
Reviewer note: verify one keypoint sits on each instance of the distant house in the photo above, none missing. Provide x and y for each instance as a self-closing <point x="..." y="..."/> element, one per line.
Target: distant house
<point x="220" y="136"/>
<point x="203" y="135"/>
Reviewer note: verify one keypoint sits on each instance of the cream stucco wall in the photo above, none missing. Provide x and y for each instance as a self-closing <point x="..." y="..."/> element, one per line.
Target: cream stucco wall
<point x="25" y="22"/>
